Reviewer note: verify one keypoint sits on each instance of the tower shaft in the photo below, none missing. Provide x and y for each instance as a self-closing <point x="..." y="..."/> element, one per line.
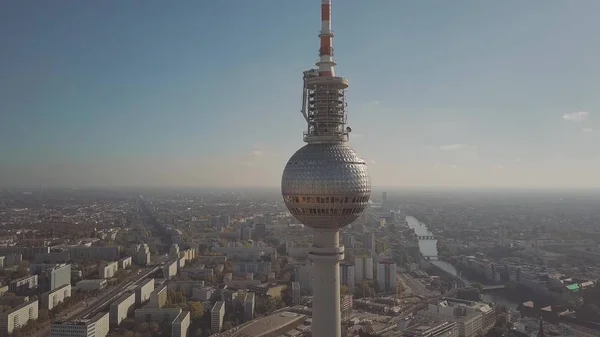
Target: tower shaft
<point x="326" y="255"/>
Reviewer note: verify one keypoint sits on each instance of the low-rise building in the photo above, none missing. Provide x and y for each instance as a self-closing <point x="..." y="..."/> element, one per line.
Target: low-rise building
<point x="23" y="284"/>
<point x="91" y="285"/>
<point x="97" y="326"/>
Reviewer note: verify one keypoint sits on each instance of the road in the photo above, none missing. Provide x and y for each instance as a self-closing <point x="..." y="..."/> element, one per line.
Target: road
<point x="92" y="306"/>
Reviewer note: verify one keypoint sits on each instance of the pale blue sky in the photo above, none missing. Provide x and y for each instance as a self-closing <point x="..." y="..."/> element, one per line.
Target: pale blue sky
<point x="205" y="93"/>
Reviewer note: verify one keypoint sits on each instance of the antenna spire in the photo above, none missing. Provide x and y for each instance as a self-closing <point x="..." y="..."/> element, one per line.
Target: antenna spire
<point x="326" y="64"/>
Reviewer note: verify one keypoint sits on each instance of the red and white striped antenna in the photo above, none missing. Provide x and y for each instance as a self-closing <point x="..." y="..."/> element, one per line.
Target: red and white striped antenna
<point x="326" y="64"/>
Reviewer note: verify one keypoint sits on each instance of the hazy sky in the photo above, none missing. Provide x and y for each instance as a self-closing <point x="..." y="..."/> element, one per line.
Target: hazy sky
<point x="208" y="93"/>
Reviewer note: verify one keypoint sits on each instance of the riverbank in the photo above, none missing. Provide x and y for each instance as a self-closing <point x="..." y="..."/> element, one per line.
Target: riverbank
<point x="429" y="248"/>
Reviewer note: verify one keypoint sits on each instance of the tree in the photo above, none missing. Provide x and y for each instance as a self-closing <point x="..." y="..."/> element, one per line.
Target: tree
<point x="196" y="311"/>
<point x="477" y="285"/>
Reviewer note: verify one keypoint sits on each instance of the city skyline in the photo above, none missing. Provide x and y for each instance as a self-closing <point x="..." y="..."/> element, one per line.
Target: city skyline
<point x="108" y="94"/>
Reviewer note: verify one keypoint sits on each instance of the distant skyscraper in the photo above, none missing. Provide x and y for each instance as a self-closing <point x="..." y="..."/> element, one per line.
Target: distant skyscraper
<point x="387" y="277"/>
<point x="369" y="241"/>
<point x="348" y="240"/>
<point x="363" y="268"/>
<point x="384" y="197"/>
<point x="347" y="275"/>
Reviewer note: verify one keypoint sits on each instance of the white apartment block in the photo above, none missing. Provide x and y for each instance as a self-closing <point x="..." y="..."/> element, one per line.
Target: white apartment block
<point x="18" y="317"/>
<point x="120" y="308"/>
<point x="170" y="270"/>
<point x="189" y="254"/>
<point x="108" y="269"/>
<point x="217" y="313"/>
<point x="181" y="324"/>
<point x="143" y="291"/>
<point x="249" y="304"/>
<point x="97" y="326"/>
<point x="125" y="263"/>
<point x="52" y="298"/>
<point x="158" y="298"/>
<point x="58" y="275"/>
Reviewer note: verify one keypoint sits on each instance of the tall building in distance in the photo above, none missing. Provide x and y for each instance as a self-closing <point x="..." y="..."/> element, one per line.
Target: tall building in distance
<point x="347" y="277"/>
<point x="363" y="266"/>
<point x="325" y="185"/>
<point x="384" y="198"/>
<point x="369" y="241"/>
<point x="387" y="277"/>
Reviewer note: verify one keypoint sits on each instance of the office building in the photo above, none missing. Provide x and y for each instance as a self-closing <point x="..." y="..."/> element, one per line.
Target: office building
<point x="472" y="318"/>
<point x="97" y="326"/>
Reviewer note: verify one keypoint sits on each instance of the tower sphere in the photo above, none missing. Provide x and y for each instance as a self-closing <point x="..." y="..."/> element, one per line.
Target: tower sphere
<point x="326" y="186"/>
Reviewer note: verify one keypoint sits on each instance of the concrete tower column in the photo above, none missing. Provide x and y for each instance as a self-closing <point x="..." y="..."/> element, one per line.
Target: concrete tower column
<point x="326" y="255"/>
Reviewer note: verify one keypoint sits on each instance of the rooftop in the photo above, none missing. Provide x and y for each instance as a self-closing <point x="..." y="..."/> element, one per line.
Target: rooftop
<point x="266" y="326"/>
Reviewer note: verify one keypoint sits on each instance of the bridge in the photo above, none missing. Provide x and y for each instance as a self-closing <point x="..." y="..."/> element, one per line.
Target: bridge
<point x="426" y="237"/>
<point x="490" y="288"/>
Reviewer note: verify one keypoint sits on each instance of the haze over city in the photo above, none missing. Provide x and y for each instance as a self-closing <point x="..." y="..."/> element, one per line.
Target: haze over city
<point x="461" y="93"/>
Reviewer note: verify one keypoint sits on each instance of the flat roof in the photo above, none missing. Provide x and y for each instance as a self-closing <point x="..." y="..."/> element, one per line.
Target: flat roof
<point x="266" y="325"/>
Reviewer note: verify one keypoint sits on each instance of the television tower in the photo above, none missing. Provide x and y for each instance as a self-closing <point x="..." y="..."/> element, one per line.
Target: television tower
<point x="325" y="185"/>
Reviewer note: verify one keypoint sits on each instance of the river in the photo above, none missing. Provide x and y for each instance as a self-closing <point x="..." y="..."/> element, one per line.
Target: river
<point x="429" y="248"/>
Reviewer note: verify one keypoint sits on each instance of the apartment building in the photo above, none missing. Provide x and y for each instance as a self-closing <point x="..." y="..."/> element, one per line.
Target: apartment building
<point x="18" y="316"/>
<point x="54" y="297"/>
<point x="120" y="308"/>
<point x="217" y="313"/>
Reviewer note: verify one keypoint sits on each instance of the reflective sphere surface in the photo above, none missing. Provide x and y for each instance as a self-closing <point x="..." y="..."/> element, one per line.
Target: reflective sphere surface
<point x="326" y="186"/>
